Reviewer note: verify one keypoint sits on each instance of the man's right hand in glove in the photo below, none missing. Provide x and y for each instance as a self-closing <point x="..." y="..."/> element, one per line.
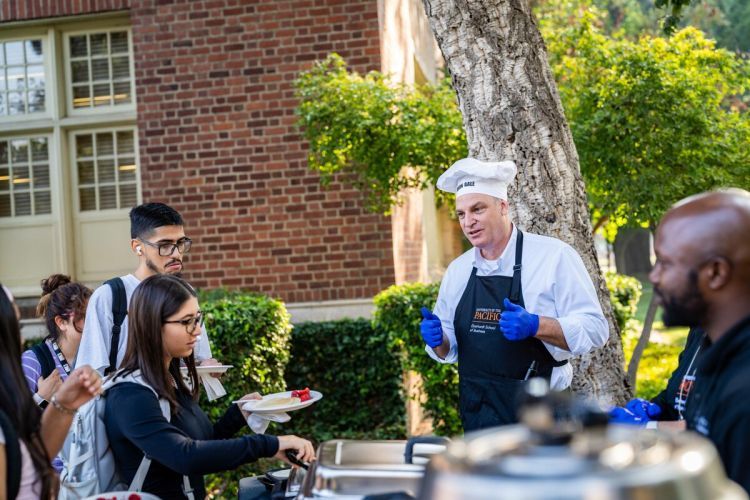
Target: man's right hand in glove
<point x="432" y="331"/>
<point x="643" y="408"/>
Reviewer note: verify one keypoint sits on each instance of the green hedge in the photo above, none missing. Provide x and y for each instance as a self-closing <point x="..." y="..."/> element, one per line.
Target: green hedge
<point x="360" y="378"/>
<point x="625" y="292"/>
<point x="253" y="333"/>
<point x="397" y="313"/>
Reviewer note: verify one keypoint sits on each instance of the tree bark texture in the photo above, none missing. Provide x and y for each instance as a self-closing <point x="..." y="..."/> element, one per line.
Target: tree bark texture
<point x="511" y="110"/>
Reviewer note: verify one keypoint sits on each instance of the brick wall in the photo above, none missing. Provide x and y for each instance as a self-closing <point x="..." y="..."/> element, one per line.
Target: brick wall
<point x="18" y="10"/>
<point x="218" y="139"/>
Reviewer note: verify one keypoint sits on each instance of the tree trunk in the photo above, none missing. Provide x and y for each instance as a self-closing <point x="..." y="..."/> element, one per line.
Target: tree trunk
<point x="511" y="110"/>
<point x="640" y="347"/>
<point x="633" y="251"/>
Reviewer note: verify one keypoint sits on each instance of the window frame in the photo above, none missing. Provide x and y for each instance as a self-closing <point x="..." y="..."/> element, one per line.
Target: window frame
<point x="99" y="214"/>
<point x="47" y="64"/>
<point x="72" y="111"/>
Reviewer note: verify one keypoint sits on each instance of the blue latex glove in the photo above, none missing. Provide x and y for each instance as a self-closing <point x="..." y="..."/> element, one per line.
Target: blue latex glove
<point x="643" y="408"/>
<point x="517" y="323"/>
<point x="432" y="330"/>
<point x="620" y="415"/>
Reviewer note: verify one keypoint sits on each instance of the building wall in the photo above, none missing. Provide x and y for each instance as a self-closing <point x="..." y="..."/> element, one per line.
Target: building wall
<point x="21" y="10"/>
<point x="218" y="140"/>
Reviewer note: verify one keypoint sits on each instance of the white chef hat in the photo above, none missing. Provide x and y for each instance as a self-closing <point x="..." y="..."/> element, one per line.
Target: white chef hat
<point x="470" y="175"/>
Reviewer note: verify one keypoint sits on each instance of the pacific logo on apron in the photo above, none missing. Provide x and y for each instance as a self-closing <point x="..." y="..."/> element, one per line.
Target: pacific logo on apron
<point x="485" y="320"/>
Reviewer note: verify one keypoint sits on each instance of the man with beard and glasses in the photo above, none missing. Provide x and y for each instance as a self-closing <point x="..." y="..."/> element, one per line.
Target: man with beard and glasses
<point x="702" y="279"/>
<point x="159" y="241"/>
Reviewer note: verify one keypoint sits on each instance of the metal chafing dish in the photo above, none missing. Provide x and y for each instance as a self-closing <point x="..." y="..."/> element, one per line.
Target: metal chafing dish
<point x="356" y="469"/>
<point x="565" y="450"/>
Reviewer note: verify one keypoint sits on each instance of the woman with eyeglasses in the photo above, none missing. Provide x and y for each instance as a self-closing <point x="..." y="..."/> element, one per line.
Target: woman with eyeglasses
<point x="49" y="363"/>
<point x="164" y="327"/>
<point x="63" y="309"/>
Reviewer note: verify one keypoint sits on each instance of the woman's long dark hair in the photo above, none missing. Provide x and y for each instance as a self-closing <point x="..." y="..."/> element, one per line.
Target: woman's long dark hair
<point x="16" y="401"/>
<point x="157" y="298"/>
<point x="61" y="297"/>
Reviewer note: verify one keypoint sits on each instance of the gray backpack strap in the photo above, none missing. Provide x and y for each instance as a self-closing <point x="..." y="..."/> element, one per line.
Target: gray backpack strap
<point x="142" y="472"/>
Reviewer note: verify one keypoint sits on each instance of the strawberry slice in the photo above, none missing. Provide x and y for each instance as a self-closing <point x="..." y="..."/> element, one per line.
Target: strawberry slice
<point x="302" y="394"/>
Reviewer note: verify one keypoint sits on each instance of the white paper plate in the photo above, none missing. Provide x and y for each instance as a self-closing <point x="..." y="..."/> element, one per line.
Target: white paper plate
<point x="208" y="369"/>
<point x="123" y="495"/>
<point x="252" y="403"/>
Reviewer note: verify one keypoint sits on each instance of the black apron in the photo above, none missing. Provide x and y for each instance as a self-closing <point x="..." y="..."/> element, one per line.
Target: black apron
<point x="491" y="368"/>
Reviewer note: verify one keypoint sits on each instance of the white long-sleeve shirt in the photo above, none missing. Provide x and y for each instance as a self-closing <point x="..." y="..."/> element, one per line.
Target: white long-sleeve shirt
<point x="97" y="331"/>
<point x="554" y="283"/>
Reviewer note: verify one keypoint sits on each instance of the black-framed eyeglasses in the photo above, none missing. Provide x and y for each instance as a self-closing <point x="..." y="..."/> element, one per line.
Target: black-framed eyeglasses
<point x="167" y="248"/>
<point x="190" y="324"/>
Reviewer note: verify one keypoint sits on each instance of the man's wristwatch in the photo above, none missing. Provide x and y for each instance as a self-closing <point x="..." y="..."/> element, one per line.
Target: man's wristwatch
<point x="40" y="401"/>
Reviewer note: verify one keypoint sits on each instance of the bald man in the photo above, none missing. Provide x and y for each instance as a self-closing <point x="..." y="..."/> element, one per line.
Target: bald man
<point x="702" y="279"/>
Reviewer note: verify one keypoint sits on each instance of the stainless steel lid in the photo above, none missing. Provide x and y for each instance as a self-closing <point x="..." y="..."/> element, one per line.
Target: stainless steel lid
<point x="564" y="449"/>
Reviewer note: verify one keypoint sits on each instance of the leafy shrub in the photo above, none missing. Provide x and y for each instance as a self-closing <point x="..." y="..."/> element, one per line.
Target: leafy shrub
<point x="624" y="292"/>
<point x="397" y="313"/>
<point x="360" y="378"/>
<point x="253" y="333"/>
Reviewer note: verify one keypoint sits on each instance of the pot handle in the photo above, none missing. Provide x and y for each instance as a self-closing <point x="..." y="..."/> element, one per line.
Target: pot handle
<point x="409" y="452"/>
<point x="292" y="456"/>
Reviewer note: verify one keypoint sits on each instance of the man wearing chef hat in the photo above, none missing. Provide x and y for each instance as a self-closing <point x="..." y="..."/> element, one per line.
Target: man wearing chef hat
<point x="517" y="305"/>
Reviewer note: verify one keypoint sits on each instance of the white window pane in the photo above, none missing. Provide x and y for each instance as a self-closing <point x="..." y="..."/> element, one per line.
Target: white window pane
<point x="100" y="69"/>
<point x="14" y="53"/>
<point x="102" y="96"/>
<point x="84" y="145"/>
<point x="86" y="172"/>
<point x="87" y="198"/>
<point x="35" y="99"/>
<point x="2" y="77"/>
<point x="122" y="92"/>
<point x="107" y="197"/>
<point x="41" y="176"/>
<point x="16" y="78"/>
<point x="120" y="67"/>
<point x="81" y="96"/>
<point x="35" y="77"/>
<point x="78" y="46"/>
<point x="104" y="145"/>
<point x="126" y="169"/>
<point x="119" y="40"/>
<point x="80" y="71"/>
<point x="39" y="149"/>
<point x="128" y="195"/>
<point x="22" y="203"/>
<point x="5" y="205"/>
<point x="19" y="151"/>
<point x="34" y="51"/>
<point x="3" y="104"/>
<point x="42" y="203"/>
<point x="125" y="145"/>
<point x="106" y="169"/>
<point x="98" y="43"/>
<point x="21" y="178"/>
<point x="16" y="104"/>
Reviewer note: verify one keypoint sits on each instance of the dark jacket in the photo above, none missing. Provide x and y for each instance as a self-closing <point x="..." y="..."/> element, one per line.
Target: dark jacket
<point x="188" y="445"/>
<point x="668" y="399"/>
<point x="719" y="406"/>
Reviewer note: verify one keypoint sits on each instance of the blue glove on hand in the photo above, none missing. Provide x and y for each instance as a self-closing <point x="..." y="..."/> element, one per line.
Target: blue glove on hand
<point x="517" y="323"/>
<point x="620" y="415"/>
<point x="432" y="331"/>
<point x="643" y="408"/>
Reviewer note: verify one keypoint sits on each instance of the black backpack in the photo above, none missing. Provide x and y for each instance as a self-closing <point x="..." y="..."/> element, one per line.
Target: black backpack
<point x="119" y="311"/>
<point x="46" y="361"/>
<point x="12" y="457"/>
